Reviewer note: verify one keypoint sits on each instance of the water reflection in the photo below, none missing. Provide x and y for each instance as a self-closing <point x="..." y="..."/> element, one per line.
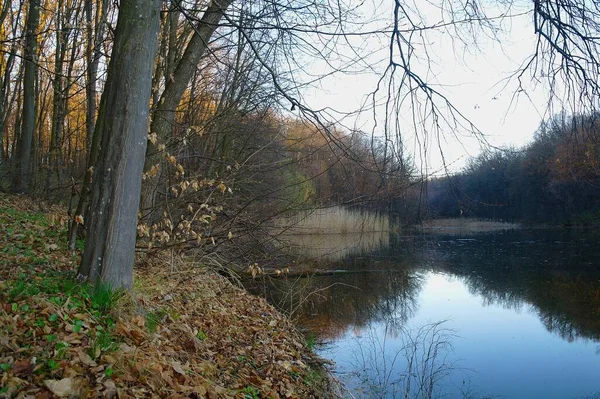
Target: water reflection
<point x="504" y="293"/>
<point x="557" y="273"/>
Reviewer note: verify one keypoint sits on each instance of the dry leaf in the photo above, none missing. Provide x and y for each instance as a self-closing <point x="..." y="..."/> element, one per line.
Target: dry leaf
<point x="21" y="366"/>
<point x="86" y="359"/>
<point x="177" y="367"/>
<point x="62" y="388"/>
<point x="111" y="389"/>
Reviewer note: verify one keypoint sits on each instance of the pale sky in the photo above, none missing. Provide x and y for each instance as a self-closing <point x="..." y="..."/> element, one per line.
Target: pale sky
<point x="473" y="79"/>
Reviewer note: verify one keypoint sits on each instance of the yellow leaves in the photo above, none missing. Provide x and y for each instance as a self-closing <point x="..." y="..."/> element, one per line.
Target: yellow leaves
<point x="255" y="270"/>
<point x="79" y="219"/>
<point x="143" y="230"/>
<point x="197" y="130"/>
<point x="184" y="185"/>
<point x="152" y="172"/>
<point x="170" y="362"/>
<point x="153" y="138"/>
<point x="171" y="159"/>
<point x="162" y="236"/>
<point x="222" y="187"/>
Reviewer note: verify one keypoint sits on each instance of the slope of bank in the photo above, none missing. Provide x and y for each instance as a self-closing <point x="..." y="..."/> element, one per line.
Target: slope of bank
<point x="185" y="331"/>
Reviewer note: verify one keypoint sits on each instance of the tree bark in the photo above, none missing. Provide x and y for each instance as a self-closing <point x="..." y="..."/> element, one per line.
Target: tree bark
<point x="23" y="160"/>
<point x="111" y="229"/>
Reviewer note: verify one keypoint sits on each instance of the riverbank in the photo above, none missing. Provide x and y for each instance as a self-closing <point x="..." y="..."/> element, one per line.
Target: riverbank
<point x="184" y="331"/>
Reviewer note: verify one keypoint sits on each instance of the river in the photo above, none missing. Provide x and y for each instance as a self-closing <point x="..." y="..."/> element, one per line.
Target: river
<point x="507" y="314"/>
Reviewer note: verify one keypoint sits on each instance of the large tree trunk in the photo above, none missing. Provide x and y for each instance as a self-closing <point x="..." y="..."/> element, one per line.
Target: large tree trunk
<point x="111" y="229"/>
<point x="23" y="160"/>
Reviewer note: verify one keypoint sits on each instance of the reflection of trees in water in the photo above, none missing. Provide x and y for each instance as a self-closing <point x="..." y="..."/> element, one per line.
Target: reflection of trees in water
<point x="358" y="299"/>
<point x="558" y="278"/>
<point x="552" y="273"/>
<point x="329" y="304"/>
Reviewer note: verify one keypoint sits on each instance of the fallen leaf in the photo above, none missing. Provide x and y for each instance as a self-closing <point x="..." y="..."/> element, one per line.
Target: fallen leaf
<point x="62" y="388"/>
<point x="177" y="367"/>
<point x="21" y="366"/>
<point x="86" y="359"/>
<point x="110" y="389"/>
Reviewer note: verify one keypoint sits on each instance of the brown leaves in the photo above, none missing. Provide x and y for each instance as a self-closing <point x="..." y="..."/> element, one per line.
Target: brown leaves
<point x="22" y="367"/>
<point x="212" y="340"/>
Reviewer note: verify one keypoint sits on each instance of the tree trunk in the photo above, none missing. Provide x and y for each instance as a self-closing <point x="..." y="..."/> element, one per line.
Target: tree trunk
<point x="59" y="100"/>
<point x="93" y="130"/>
<point x="164" y="114"/>
<point x="93" y="53"/>
<point x="111" y="229"/>
<point x="23" y="161"/>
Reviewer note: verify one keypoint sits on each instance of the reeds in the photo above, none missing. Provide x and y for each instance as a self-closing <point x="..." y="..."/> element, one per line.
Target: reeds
<point x="333" y="220"/>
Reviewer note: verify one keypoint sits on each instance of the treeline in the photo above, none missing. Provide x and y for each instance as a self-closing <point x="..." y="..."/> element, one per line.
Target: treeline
<point x="351" y="168"/>
<point x="555" y="179"/>
<point x="224" y="154"/>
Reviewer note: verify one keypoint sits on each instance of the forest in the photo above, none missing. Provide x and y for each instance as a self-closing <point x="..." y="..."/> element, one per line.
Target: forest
<point x="149" y="150"/>
<point x="184" y="124"/>
<point x="555" y="179"/>
<point x="226" y="161"/>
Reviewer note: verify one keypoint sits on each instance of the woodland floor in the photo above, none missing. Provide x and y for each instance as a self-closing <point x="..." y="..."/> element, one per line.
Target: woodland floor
<point x="185" y="331"/>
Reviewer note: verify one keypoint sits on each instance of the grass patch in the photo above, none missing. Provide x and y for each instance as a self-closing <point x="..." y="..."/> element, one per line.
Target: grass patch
<point x="311" y="340"/>
<point x="155" y="319"/>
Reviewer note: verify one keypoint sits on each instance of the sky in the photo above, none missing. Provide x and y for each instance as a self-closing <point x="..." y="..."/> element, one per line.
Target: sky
<point x="472" y="77"/>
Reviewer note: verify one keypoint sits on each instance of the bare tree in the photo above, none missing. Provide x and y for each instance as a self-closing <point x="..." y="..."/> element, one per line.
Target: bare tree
<point x="22" y="174"/>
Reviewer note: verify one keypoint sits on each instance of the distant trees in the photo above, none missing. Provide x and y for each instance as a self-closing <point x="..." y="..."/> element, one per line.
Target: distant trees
<point x="554" y="179"/>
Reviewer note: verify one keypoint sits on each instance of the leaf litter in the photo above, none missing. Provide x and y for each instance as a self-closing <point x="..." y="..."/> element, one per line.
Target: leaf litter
<point x="184" y="332"/>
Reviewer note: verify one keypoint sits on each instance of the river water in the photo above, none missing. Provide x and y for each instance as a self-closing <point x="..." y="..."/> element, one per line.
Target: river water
<point x="509" y="314"/>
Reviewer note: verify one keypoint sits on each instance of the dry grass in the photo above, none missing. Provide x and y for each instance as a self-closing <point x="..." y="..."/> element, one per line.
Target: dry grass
<point x="333" y="220"/>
